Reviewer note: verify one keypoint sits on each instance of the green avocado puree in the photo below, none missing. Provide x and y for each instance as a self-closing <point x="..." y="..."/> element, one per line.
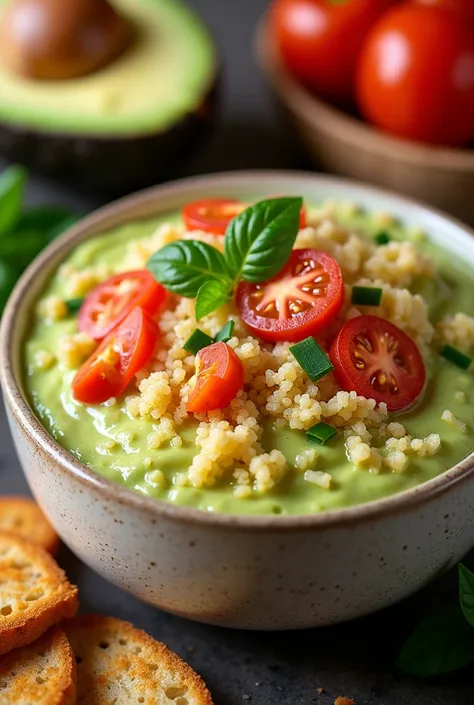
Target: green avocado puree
<point x="84" y="431"/>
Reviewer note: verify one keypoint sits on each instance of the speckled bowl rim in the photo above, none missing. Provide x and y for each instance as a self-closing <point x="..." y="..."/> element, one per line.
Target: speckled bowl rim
<point x="153" y="199"/>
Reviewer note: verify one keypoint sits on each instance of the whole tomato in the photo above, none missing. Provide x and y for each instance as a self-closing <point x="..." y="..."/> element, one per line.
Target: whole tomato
<point x="415" y="75"/>
<point x="320" y="40"/>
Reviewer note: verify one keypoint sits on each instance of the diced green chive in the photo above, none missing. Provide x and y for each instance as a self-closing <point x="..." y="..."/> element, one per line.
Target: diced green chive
<point x="321" y="433"/>
<point x="225" y="332"/>
<point x="382" y="238"/>
<point x="311" y="358"/>
<point x="366" y="296"/>
<point x="197" y="341"/>
<point x="73" y="305"/>
<point x="456" y="357"/>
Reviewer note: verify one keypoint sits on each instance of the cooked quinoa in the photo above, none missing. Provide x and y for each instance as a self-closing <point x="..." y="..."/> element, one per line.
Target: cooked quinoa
<point x="229" y="441"/>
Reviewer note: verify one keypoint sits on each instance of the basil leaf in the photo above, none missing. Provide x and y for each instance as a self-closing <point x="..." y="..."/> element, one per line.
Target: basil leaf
<point x="8" y="278"/>
<point x="211" y="295"/>
<point x="184" y="266"/>
<point x="443" y="642"/>
<point x="60" y="227"/>
<point x="12" y="189"/>
<point x="43" y="218"/>
<point x="258" y="241"/>
<point x="19" y="248"/>
<point x="466" y="593"/>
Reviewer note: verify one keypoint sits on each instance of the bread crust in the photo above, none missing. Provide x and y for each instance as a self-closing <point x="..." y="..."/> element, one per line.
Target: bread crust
<point x="114" y="659"/>
<point x="21" y="515"/>
<point x="34" y="592"/>
<point x="43" y="673"/>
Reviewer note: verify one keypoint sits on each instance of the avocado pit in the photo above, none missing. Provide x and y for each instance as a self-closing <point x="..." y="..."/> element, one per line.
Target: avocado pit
<point x="61" y="39"/>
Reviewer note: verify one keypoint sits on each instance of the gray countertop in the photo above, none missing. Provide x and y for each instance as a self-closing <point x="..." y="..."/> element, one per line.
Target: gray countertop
<point x="355" y="659"/>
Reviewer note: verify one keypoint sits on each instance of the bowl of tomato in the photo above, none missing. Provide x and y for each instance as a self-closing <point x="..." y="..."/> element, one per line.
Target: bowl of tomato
<point x="380" y="91"/>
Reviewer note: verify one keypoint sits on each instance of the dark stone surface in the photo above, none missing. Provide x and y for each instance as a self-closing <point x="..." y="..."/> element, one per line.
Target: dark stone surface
<point x="355" y="659"/>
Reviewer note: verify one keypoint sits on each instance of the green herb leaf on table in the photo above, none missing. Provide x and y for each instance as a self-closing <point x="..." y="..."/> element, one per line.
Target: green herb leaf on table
<point x="442" y="643"/>
<point x="258" y="242"/>
<point x="44" y="218"/>
<point x="8" y="278"/>
<point x="184" y="266"/>
<point x="211" y="295"/>
<point x="20" y="247"/>
<point x="60" y="227"/>
<point x="12" y="191"/>
<point x="466" y="593"/>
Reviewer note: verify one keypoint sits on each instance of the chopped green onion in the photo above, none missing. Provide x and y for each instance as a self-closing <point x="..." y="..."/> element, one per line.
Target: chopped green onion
<point x="225" y="332"/>
<point x="197" y="341"/>
<point x="366" y="296"/>
<point x="321" y="433"/>
<point x="382" y="238"/>
<point x="73" y="305"/>
<point x="311" y="358"/>
<point x="456" y="357"/>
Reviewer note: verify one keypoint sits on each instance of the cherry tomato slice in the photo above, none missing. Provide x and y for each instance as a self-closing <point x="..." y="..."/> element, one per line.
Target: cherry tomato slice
<point x="111" y="368"/>
<point x="109" y="302"/>
<point x="301" y="300"/>
<point x="219" y="376"/>
<point x="374" y="358"/>
<point x="213" y="215"/>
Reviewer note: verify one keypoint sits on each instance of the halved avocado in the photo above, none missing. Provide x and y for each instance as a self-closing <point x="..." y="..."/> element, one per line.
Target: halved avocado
<point x="120" y="127"/>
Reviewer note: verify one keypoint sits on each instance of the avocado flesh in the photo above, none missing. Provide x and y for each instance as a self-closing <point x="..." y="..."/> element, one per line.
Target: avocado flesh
<point x="123" y="126"/>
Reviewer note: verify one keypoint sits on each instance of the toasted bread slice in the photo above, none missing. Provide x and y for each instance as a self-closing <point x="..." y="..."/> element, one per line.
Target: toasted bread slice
<point x="21" y="515"/>
<point x="34" y="592"/>
<point x="43" y="673"/>
<point x="119" y="664"/>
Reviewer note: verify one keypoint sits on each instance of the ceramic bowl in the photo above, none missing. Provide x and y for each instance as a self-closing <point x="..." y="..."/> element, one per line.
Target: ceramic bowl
<point x="343" y="144"/>
<point x="268" y="572"/>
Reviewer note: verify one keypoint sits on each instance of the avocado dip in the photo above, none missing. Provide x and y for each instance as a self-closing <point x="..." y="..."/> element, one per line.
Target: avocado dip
<point x="256" y="455"/>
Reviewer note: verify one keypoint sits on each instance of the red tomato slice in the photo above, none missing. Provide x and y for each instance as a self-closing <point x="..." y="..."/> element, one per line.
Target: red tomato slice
<point x="219" y="376"/>
<point x="109" y="302"/>
<point x="213" y="215"/>
<point x="301" y="300"/>
<point x="111" y="368"/>
<point x="379" y="361"/>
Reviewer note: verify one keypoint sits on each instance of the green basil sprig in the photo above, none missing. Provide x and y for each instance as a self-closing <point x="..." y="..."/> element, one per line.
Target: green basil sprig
<point x="12" y="191"/>
<point x="184" y="266"/>
<point x="24" y="232"/>
<point x="211" y="295"/>
<point x="444" y="641"/>
<point x="258" y="242"/>
<point x="466" y="593"/>
<point x="257" y="245"/>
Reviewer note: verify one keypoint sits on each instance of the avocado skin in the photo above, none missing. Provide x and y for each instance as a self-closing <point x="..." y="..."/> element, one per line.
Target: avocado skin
<point x="110" y="166"/>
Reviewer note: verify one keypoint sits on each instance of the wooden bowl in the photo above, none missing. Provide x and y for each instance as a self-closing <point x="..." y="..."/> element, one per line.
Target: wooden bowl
<point x="343" y="144"/>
